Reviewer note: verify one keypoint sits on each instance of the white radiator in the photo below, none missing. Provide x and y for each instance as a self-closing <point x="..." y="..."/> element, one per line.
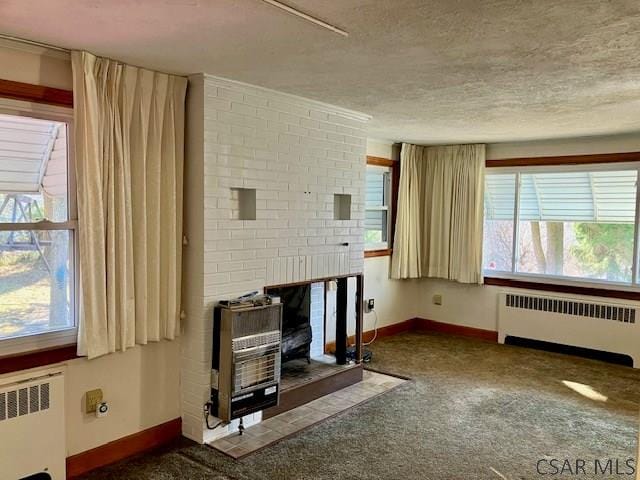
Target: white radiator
<point x="32" y="425"/>
<point x="587" y="322"/>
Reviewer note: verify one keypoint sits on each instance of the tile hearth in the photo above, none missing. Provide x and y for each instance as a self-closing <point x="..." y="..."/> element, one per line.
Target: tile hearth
<point x="288" y="423"/>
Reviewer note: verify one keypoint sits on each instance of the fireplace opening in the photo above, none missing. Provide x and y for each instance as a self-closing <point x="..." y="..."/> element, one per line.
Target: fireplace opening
<point x="307" y="312"/>
<point x="297" y="332"/>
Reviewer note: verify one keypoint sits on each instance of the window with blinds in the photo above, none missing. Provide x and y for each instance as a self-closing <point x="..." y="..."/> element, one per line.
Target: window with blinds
<point x="377" y="211"/>
<point x="565" y="222"/>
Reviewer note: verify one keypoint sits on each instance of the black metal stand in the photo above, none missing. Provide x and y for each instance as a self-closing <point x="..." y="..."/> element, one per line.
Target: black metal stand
<point x="341" y="322"/>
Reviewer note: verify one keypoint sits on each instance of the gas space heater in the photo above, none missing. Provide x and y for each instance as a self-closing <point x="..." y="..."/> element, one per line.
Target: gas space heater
<point x="246" y="360"/>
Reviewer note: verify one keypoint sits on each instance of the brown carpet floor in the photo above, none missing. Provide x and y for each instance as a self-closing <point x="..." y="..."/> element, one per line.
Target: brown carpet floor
<point x="474" y="410"/>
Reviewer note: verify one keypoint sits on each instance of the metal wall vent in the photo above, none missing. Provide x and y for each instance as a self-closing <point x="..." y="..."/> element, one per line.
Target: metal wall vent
<point x="571" y="307"/>
<point x="24" y="400"/>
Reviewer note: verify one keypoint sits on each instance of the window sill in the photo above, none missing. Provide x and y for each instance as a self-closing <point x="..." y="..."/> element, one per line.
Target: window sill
<point x="37" y="358"/>
<point x="382" y="252"/>
<point x="588" y="290"/>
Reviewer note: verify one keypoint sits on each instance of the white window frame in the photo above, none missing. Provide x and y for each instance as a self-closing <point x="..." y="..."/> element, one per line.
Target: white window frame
<point x="387" y="196"/>
<point x="66" y="335"/>
<point x="634" y="286"/>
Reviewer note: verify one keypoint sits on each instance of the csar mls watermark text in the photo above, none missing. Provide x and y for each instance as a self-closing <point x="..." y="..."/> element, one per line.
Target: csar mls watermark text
<point x="582" y="466"/>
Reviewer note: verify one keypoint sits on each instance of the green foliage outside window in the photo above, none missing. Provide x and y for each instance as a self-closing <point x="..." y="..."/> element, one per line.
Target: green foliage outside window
<point x="605" y="249"/>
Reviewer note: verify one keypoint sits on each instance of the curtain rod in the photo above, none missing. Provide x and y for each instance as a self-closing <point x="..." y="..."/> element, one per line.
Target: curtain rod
<point x="34" y="43"/>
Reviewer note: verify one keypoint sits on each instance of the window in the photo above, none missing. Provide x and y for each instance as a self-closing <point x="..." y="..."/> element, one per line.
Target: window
<point x="377" y="208"/>
<point x="564" y="222"/>
<point x="37" y="229"/>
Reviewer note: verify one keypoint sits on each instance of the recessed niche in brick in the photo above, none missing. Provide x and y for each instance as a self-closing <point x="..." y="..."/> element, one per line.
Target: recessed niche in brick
<point x="341" y="206"/>
<point x="243" y="203"/>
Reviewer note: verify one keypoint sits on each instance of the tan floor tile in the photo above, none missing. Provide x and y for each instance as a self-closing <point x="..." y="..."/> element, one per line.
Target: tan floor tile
<point x="361" y="390"/>
<point x="390" y="385"/>
<point x="238" y="451"/>
<point x="258" y="430"/>
<point x="375" y="388"/>
<point x="341" y="396"/>
<point x="318" y="402"/>
<point x="295" y="414"/>
<point x="377" y="378"/>
<point x="271" y="437"/>
<point x="330" y="409"/>
<point x="255" y="444"/>
<point x="304" y="422"/>
<point x="343" y="402"/>
<point x="235" y="438"/>
<point x="282" y="427"/>
<point x="310" y="419"/>
<point x="223" y="445"/>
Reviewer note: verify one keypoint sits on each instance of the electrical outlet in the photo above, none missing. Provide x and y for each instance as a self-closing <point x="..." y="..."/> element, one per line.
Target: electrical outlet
<point x="102" y="409"/>
<point x="91" y="399"/>
<point x="437" y="299"/>
<point x="369" y="305"/>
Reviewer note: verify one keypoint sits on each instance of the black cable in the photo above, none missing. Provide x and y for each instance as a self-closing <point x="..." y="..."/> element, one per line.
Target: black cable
<point x="207" y="412"/>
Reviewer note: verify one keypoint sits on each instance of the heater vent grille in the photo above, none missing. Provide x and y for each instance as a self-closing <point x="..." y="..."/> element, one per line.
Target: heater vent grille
<point x="44" y="396"/>
<point x="571" y="307"/>
<point x="34" y="399"/>
<point x="12" y="404"/>
<point x="255" y="340"/>
<point x="24" y="401"/>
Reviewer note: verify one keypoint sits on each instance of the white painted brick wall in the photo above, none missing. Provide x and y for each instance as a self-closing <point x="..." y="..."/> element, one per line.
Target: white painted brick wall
<point x="297" y="154"/>
<point x="317" y="319"/>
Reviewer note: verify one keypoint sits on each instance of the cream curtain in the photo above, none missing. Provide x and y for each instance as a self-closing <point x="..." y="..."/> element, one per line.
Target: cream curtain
<point x="440" y="213"/>
<point x="129" y="144"/>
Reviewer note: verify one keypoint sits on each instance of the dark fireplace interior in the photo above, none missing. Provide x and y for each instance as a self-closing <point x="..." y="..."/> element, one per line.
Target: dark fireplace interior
<point x="296" y="322"/>
<point x="307" y="354"/>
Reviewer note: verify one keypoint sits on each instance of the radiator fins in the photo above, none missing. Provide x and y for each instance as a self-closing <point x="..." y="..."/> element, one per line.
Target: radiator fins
<point x="24" y="401"/>
<point x="571" y="307"/>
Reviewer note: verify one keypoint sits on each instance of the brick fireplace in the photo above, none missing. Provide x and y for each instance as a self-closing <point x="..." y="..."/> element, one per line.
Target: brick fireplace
<point x="274" y="195"/>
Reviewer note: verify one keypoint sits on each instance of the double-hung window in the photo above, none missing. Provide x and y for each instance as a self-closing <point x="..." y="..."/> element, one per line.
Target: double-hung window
<point x="563" y="223"/>
<point x="37" y="228"/>
<point x="377" y="207"/>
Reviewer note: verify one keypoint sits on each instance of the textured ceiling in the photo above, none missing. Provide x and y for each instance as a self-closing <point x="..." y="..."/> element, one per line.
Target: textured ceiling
<point x="428" y="71"/>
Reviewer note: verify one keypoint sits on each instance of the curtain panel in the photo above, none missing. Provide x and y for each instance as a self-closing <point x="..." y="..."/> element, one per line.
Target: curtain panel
<point x="129" y="155"/>
<point x="440" y="213"/>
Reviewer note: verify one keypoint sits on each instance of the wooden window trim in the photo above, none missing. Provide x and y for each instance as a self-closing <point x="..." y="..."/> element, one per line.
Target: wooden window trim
<point x="382" y="252"/>
<point x="565" y="160"/>
<point x="395" y="184"/>
<point x="62" y="98"/>
<point x="36" y="93"/>
<point x="37" y="358"/>
<point x="380" y="161"/>
<point x="591" y="159"/>
<point x="563" y="288"/>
